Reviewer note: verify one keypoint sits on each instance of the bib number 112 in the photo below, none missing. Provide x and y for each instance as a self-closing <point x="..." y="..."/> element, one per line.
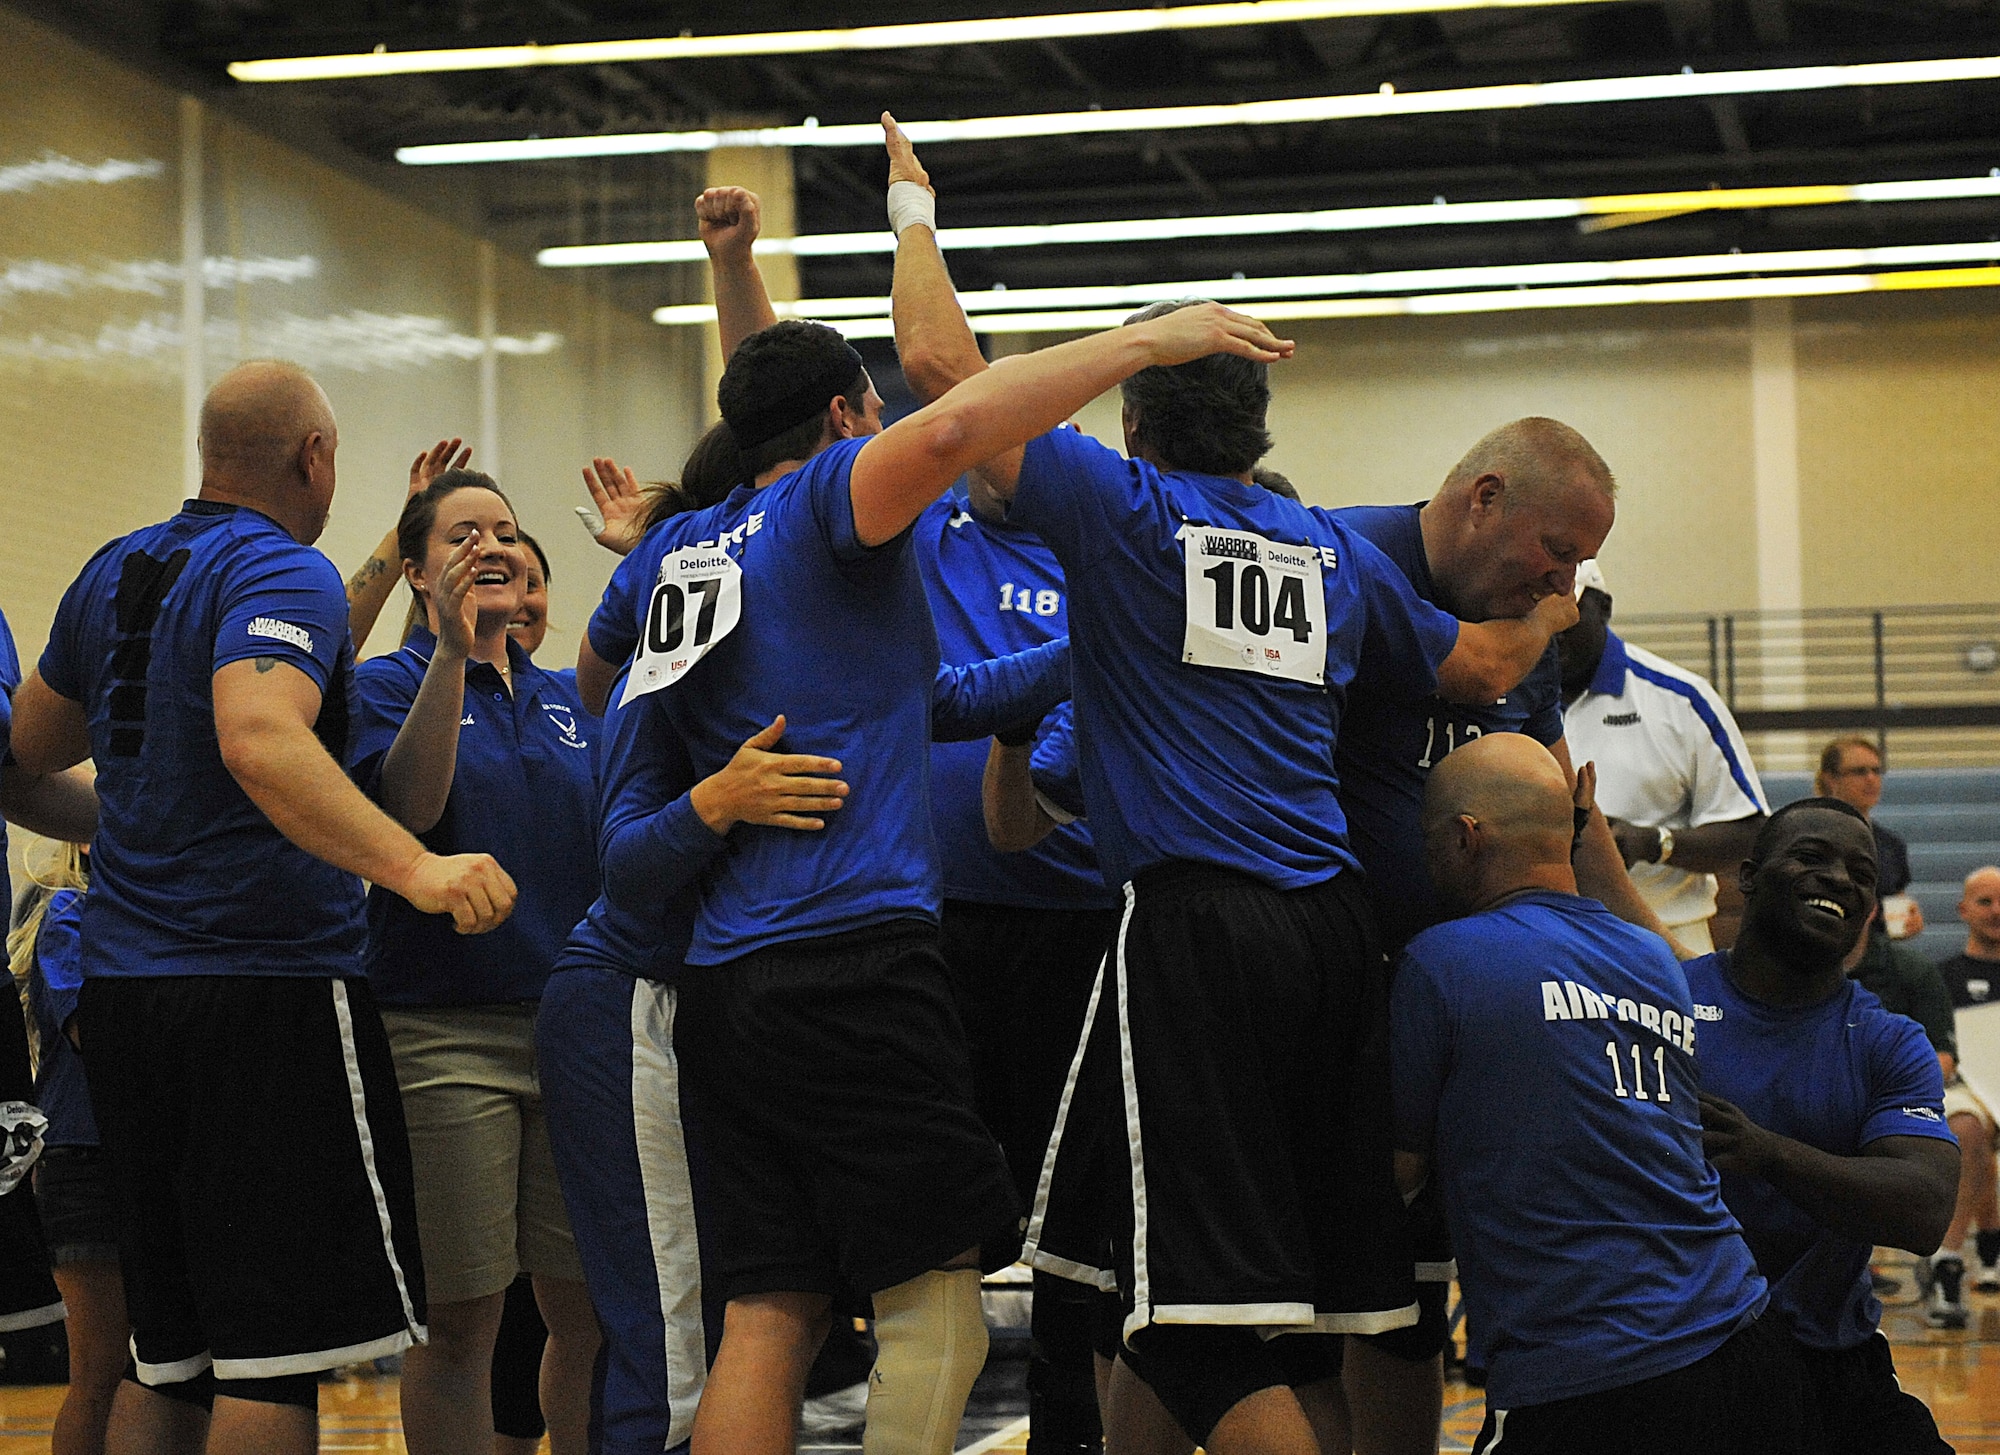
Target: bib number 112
<point x="1254" y="605"/>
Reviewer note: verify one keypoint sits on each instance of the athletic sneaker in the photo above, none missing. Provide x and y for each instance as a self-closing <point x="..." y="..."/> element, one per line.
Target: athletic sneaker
<point x="1947" y="1308"/>
<point x="839" y="1412"/>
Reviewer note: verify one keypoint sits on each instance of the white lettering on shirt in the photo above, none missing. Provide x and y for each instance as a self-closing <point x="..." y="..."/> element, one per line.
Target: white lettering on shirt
<point x="280" y="631"/>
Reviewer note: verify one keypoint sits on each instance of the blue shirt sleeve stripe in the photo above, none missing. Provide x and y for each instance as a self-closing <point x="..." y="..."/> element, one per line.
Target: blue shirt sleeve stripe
<point x="1708" y="715"/>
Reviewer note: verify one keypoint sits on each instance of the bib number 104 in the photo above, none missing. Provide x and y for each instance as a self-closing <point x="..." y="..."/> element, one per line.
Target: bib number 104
<point x="1254" y="605"/>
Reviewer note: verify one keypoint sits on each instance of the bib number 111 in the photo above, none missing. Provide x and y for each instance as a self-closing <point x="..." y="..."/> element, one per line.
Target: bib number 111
<point x="1254" y="605"/>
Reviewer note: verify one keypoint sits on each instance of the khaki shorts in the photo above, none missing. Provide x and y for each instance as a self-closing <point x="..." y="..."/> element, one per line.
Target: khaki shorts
<point x="1960" y="1099"/>
<point x="488" y="1206"/>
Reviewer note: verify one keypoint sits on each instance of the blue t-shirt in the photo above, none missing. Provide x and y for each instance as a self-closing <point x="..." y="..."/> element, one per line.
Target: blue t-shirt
<point x="188" y="877"/>
<point x="10" y="679"/>
<point x="1389" y="740"/>
<point x="523" y="790"/>
<point x="1836" y="1076"/>
<point x="837" y="636"/>
<point x="1212" y="764"/>
<point x="1544" y="1055"/>
<point x="54" y="977"/>
<point x="644" y="773"/>
<point x="995" y="589"/>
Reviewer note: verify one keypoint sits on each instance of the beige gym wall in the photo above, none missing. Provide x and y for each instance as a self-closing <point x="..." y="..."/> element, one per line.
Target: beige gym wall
<point x="381" y="301"/>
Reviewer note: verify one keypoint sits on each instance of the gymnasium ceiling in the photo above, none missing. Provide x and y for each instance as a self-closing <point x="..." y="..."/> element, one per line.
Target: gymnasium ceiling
<point x="1833" y="136"/>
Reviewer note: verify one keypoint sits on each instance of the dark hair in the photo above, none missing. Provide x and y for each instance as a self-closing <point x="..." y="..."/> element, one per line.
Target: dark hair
<point x="786" y="375"/>
<point x="420" y="513"/>
<point x="712" y="469"/>
<point x="1767" y="833"/>
<point x="1272" y="481"/>
<point x="1205" y="416"/>
<point x="541" y="555"/>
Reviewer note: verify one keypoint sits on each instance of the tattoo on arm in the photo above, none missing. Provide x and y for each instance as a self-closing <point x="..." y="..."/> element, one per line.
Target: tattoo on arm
<point x="265" y="664"/>
<point x="374" y="566"/>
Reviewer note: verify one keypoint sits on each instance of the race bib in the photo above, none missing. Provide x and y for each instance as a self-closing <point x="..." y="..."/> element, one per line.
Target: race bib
<point x="696" y="602"/>
<point x="1253" y="605"/>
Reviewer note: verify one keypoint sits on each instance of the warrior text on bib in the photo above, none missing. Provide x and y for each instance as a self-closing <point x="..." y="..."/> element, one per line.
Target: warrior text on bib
<point x="696" y="603"/>
<point x="1253" y="605"/>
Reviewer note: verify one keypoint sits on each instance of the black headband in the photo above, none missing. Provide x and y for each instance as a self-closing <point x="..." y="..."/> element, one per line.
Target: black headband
<point x="768" y="417"/>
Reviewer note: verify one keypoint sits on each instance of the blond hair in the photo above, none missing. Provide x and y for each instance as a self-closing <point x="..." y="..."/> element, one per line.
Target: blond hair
<point x="63" y="867"/>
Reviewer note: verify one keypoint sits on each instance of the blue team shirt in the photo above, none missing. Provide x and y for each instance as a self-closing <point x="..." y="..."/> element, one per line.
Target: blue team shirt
<point x="1544" y="1055"/>
<point x="10" y="678"/>
<point x="838" y="637"/>
<point x="55" y="975"/>
<point x="523" y="790"/>
<point x="1389" y="741"/>
<point x="644" y="776"/>
<point x="1836" y="1076"/>
<point x="995" y="589"/>
<point x="1190" y="762"/>
<point x="188" y="877"/>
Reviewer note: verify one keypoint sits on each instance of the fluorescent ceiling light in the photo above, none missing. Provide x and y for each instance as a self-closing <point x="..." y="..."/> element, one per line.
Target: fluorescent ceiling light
<point x="1259" y="295"/>
<point x="382" y="62"/>
<point x="1683" y="85"/>
<point x="1085" y="320"/>
<point x="1256" y="224"/>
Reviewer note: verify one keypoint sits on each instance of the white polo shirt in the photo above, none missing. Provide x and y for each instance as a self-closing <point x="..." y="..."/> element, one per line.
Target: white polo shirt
<point x="1668" y="755"/>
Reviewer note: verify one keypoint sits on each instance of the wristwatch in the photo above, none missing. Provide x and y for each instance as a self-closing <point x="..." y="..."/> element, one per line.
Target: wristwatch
<point x="1666" y="846"/>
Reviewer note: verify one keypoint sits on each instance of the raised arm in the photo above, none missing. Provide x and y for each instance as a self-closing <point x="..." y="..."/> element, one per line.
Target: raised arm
<point x="1899" y="1192"/>
<point x="1491" y="657"/>
<point x="728" y="219"/>
<point x="369" y="588"/>
<point x="418" y="770"/>
<point x="1001" y="693"/>
<point x="264" y="715"/>
<point x="900" y="471"/>
<point x="1600" y="872"/>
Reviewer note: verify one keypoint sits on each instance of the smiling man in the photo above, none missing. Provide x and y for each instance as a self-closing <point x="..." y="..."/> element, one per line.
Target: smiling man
<point x="1825" y="1115"/>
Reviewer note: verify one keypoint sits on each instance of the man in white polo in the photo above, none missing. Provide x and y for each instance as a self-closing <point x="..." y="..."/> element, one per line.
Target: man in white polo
<point x="1673" y="775"/>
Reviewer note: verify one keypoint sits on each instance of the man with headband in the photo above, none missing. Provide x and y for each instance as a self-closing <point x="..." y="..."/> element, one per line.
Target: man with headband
<point x="821" y="1052"/>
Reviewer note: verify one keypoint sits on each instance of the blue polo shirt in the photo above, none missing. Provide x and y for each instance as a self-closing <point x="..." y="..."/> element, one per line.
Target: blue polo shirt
<point x="1210" y="763"/>
<point x="837" y="636"/>
<point x="522" y="790"/>
<point x="1389" y="741"/>
<point x="1544" y="1056"/>
<point x="10" y="678"/>
<point x="188" y="877"/>
<point x="645" y="775"/>
<point x="994" y="589"/>
<point x="55" y="975"/>
<point x="1836" y="1076"/>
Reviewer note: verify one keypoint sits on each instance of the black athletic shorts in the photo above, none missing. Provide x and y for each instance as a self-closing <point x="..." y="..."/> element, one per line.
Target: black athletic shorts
<point x="1858" y="1408"/>
<point x="256" y="1144"/>
<point x="1238" y="1055"/>
<point x="833" y="1090"/>
<point x="28" y="1297"/>
<point x="79" y="1209"/>
<point x="1022" y="978"/>
<point x="1748" y="1397"/>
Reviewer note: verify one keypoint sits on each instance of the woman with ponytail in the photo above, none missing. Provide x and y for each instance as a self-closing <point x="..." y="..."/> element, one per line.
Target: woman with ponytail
<point x="463" y="740"/>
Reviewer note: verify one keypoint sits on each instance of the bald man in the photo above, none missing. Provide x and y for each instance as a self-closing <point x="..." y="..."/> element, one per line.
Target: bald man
<point x="1972" y="976"/>
<point x="1544" y="1073"/>
<point x="237" y="1064"/>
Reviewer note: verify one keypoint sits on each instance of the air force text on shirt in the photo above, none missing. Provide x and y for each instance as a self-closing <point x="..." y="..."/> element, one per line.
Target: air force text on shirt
<point x="1565" y="1000"/>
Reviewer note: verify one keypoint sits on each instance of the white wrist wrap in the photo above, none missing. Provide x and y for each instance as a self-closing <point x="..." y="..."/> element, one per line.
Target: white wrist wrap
<point x="910" y="204"/>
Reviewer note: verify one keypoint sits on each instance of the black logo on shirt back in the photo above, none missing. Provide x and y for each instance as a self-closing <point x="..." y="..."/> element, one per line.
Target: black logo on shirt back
<point x="1234" y="546"/>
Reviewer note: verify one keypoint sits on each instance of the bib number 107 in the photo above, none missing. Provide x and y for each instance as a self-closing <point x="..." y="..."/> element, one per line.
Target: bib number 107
<point x="1254" y="605"/>
<point x="696" y="602"/>
<point x="666" y="616"/>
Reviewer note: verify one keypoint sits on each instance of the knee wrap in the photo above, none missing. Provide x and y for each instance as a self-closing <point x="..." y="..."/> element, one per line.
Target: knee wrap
<point x="931" y="1344"/>
<point x="1202" y="1371"/>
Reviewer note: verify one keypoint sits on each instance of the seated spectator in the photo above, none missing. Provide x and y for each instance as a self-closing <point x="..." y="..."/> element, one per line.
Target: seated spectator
<point x="1543" y="1055"/>
<point x="1971" y="977"/>
<point x="1851" y="770"/>
<point x="1825" y="1114"/>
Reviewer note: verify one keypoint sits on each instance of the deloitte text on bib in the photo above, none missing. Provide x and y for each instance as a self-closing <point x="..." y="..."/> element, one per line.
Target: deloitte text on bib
<point x="696" y="603"/>
<point x="1253" y="605"/>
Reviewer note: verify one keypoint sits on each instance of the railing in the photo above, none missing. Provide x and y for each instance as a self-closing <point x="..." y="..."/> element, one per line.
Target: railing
<point x="1930" y="674"/>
